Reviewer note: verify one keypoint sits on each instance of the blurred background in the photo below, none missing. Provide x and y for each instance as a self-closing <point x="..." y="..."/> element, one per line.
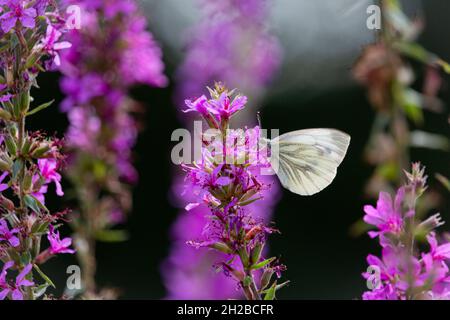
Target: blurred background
<point x="320" y="41"/>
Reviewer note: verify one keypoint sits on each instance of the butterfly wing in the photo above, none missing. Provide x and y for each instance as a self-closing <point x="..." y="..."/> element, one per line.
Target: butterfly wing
<point x="306" y="161"/>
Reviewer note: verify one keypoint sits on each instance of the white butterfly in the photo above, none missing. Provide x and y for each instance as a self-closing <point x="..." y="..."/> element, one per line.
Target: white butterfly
<point x="306" y="161"/>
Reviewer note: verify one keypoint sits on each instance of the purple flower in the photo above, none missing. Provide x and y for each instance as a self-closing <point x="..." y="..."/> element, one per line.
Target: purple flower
<point x="84" y="128"/>
<point x="6" y="97"/>
<point x="229" y="196"/>
<point x="51" y="45"/>
<point x="387" y="216"/>
<point x="48" y="170"/>
<point x="20" y="282"/>
<point x="56" y="244"/>
<point x="404" y="272"/>
<point x="438" y="252"/>
<point x="4" y="286"/>
<point x="48" y="173"/>
<point x="80" y="90"/>
<point x="225" y="36"/>
<point x="8" y="235"/>
<point x="99" y="70"/>
<point x="17" y="12"/>
<point x="199" y="105"/>
<point x="225" y="107"/>
<point x="140" y="46"/>
<point x="3" y="186"/>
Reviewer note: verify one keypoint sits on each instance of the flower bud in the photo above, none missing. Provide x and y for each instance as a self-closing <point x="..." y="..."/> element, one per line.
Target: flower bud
<point x="253" y="232"/>
<point x="417" y="179"/>
<point x="24" y="102"/>
<point x="266" y="277"/>
<point x="11" y="145"/>
<point x="40" y="151"/>
<point x="4" y="165"/>
<point x="32" y="59"/>
<point x="6" y="203"/>
<point x="256" y="252"/>
<point x="27" y="181"/>
<point x="431" y="223"/>
<point x="26" y="147"/>
<point x="5" y="115"/>
<point x="222" y="247"/>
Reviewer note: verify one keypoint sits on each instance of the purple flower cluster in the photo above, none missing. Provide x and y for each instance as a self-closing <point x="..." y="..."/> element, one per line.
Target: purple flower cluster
<point x="405" y="271"/>
<point x="99" y="70"/>
<point x="14" y="288"/>
<point x="111" y="52"/>
<point x="188" y="273"/>
<point x="29" y="161"/>
<point x="230" y="44"/>
<point x="225" y="213"/>
<point x="17" y="11"/>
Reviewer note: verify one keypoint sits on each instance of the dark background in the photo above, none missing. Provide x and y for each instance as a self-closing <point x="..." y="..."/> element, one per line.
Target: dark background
<point x="323" y="260"/>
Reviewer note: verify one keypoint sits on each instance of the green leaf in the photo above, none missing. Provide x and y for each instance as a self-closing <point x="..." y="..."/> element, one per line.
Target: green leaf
<point x="277" y="287"/>
<point x="44" y="276"/>
<point x="270" y="293"/>
<point x="25" y="258"/>
<point x="411" y="103"/>
<point x="40" y="108"/>
<point x="422" y="139"/>
<point x="256" y="252"/>
<point x="262" y="264"/>
<point x="32" y="203"/>
<point x="416" y="51"/>
<point x="222" y="247"/>
<point x="39" y="227"/>
<point x="444" y="65"/>
<point x="17" y="167"/>
<point x="444" y="180"/>
<point x="40" y="291"/>
<point x="111" y="235"/>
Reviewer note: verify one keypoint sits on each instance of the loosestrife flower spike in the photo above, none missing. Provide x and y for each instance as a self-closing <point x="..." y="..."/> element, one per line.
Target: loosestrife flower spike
<point x="102" y="129"/>
<point x="404" y="271"/>
<point x="226" y="31"/>
<point x="29" y="161"/>
<point x="226" y="189"/>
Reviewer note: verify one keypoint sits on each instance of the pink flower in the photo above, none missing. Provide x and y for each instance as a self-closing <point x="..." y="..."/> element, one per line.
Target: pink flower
<point x="404" y="271"/>
<point x="3" y="186"/>
<point x="4" y="286"/>
<point x="438" y="252"/>
<point x="225" y="107"/>
<point x="6" y="97"/>
<point x="56" y="244"/>
<point x="16" y="288"/>
<point x="387" y="216"/>
<point x="199" y="105"/>
<point x="48" y="169"/>
<point x="8" y="235"/>
<point x="17" y="12"/>
<point x="51" y="46"/>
